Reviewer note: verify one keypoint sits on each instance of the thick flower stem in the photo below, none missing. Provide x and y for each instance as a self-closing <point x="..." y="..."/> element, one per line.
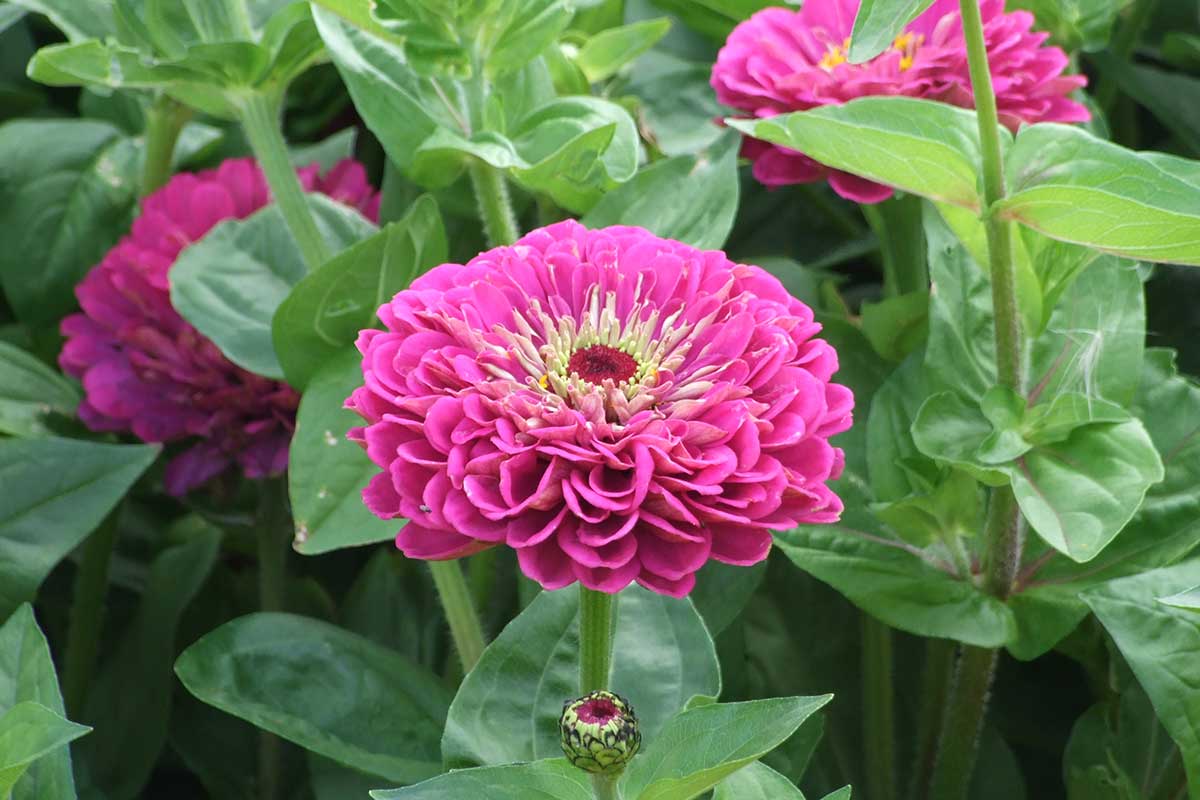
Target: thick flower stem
<point x="164" y="122"/>
<point x="273" y="527"/>
<point x="460" y="612"/>
<point x="878" y="709"/>
<point x="1003" y="535"/>
<point x="259" y="115"/>
<point x="604" y="787"/>
<point x="897" y="226"/>
<point x="596" y="628"/>
<point x="935" y="692"/>
<point x="495" y="204"/>
<point x="87" y="613"/>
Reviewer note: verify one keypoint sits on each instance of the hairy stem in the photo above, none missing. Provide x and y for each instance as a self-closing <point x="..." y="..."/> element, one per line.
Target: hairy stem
<point x="164" y="122"/>
<point x="935" y="692"/>
<point x="460" y="612"/>
<point x="959" y="744"/>
<point x="87" y="613"/>
<point x="879" y="723"/>
<point x="259" y="114"/>
<point x="495" y="204"/>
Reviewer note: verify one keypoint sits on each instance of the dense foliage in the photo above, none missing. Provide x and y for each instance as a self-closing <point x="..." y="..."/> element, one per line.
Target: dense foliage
<point x="846" y="444"/>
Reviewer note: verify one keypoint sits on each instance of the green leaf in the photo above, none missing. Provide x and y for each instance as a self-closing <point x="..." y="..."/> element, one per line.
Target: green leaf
<point x="722" y="591"/>
<point x="702" y="746"/>
<point x="393" y="602"/>
<point x="756" y="782"/>
<point x="323" y="688"/>
<point x="605" y="53"/>
<point x="1160" y="643"/>
<point x="29" y="391"/>
<point x="78" y="19"/>
<point x="545" y="780"/>
<point x="325" y="311"/>
<point x="896" y="326"/>
<point x="840" y="794"/>
<point x="327" y="472"/>
<point x="1077" y="188"/>
<point x="1169" y="96"/>
<point x="878" y="24"/>
<point x="27" y="676"/>
<point x="120" y="761"/>
<point x="29" y="731"/>
<point x="230" y="283"/>
<point x="1076" y="24"/>
<point x="532" y="26"/>
<point x="923" y="147"/>
<point x="1189" y="599"/>
<point x="56" y="491"/>
<point x="677" y="104"/>
<point x="67" y="190"/>
<point x="692" y="199"/>
<point x="662" y="656"/>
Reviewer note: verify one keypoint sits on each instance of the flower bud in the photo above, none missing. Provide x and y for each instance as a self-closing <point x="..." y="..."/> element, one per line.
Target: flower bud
<point x="600" y="732"/>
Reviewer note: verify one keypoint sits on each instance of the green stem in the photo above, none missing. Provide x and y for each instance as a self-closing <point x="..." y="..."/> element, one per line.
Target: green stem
<point x="604" y="787"/>
<point x="898" y="229"/>
<point x="481" y="574"/>
<point x="495" y="205"/>
<point x="879" y="722"/>
<point x="935" y="692"/>
<point x="87" y="613"/>
<point x="460" y="611"/>
<point x="164" y="122"/>
<point x="259" y="115"/>
<point x="1004" y="531"/>
<point x="273" y="527"/>
<point x="596" y="629"/>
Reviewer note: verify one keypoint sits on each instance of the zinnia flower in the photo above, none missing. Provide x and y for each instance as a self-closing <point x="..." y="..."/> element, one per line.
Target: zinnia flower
<point x="781" y="60"/>
<point x="145" y="369"/>
<point x="612" y="405"/>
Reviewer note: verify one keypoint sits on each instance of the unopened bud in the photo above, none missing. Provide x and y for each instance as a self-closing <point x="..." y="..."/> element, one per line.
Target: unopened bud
<point x="600" y="732"/>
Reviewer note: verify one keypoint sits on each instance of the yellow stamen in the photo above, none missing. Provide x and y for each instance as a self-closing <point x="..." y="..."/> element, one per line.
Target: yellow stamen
<point x="544" y="381"/>
<point x="835" y="56"/>
<point x="906" y="44"/>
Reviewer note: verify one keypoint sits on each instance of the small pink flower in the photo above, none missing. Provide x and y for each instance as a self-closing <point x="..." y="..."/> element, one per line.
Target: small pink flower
<point x="612" y="405"/>
<point x="781" y="60"/>
<point x="145" y="369"/>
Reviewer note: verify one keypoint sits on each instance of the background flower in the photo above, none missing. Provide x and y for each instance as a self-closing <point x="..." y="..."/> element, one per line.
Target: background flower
<point x="147" y="370"/>
<point x="782" y="60"/>
<point x="613" y="405"/>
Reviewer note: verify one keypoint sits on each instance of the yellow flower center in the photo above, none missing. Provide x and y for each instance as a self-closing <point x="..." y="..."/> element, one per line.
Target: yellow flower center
<point x="835" y="56"/>
<point x="906" y="44"/>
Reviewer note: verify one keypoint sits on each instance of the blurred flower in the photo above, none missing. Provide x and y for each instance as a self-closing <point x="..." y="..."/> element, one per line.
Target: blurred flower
<point x="613" y="405"/>
<point x="145" y="369"/>
<point x="599" y="732"/>
<point x="782" y="60"/>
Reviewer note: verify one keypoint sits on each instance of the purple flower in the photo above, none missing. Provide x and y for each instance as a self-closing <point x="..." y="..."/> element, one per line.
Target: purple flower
<point x="612" y="405"/>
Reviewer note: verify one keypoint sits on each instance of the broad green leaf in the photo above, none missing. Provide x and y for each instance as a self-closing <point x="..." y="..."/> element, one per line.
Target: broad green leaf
<point x="692" y="199"/>
<point x="756" y="782"/>
<point x="896" y="326"/>
<point x="840" y="794"/>
<point x="120" y="759"/>
<point x="10" y="15"/>
<point x="909" y="589"/>
<point x="331" y="781"/>
<point x="1170" y="96"/>
<point x="325" y="311"/>
<point x="722" y="591"/>
<point x="530" y="27"/>
<point x="323" y="688"/>
<point x="605" y="53"/>
<point x="878" y="24"/>
<point x="1076" y="24"/>
<point x="1189" y="599"/>
<point x="29" y="731"/>
<point x="1160" y="643"/>
<point x="923" y="147"/>
<point x="954" y="430"/>
<point x="27" y="676"/>
<point x="700" y="747"/>
<point x="677" y="104"/>
<point x="1072" y="186"/>
<point x="67" y="191"/>
<point x="393" y="602"/>
<point x="713" y="18"/>
<point x="78" y="19"/>
<point x="663" y="657"/>
<point x="56" y="491"/>
<point x="554" y="779"/>
<point x="327" y="472"/>
<point x="30" y="390"/>
<point x="230" y="283"/>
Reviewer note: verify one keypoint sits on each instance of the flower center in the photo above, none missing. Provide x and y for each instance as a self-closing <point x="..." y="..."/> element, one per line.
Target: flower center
<point x="598" y="711"/>
<point x="835" y="56"/>
<point x="906" y="44"/>
<point x="599" y="362"/>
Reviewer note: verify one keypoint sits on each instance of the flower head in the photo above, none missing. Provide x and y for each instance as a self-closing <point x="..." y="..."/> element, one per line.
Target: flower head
<point x="599" y="732"/>
<point x="145" y="369"/>
<point x="782" y="60"/>
<point x="612" y="405"/>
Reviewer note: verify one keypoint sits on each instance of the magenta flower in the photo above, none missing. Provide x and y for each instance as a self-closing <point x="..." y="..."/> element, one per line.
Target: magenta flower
<point x="612" y="405"/>
<point x="145" y="369"/>
<point x="781" y="60"/>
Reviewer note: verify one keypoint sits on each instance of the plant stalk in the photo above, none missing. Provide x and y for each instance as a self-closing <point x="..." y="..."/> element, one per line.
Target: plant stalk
<point x="87" y="613"/>
<point x="879" y="722"/>
<point x="1004" y="530"/>
<point x="495" y="204"/>
<point x="935" y="693"/>
<point x="164" y="122"/>
<point x="273" y="528"/>
<point x="597" y="627"/>
<point x="460" y="612"/>
<point x="259" y="114"/>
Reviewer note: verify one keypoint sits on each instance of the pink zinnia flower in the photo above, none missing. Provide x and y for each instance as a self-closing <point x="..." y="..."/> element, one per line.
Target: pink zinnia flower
<point x="146" y="370"/>
<point x="781" y="60"/>
<point x="612" y="405"/>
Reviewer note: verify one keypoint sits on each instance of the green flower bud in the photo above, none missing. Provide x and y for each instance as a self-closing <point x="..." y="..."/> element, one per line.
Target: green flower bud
<point x="600" y="732"/>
